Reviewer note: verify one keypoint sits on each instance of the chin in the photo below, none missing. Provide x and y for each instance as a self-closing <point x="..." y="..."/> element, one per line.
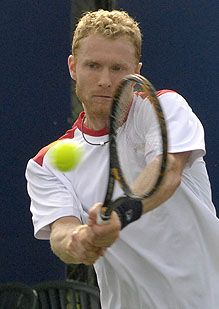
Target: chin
<point x="103" y="112"/>
<point x="102" y="108"/>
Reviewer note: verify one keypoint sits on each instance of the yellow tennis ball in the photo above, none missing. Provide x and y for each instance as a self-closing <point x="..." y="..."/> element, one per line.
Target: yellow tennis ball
<point x="65" y="155"/>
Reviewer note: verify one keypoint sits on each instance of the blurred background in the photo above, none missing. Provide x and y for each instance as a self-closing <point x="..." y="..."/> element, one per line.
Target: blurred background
<point x="37" y="101"/>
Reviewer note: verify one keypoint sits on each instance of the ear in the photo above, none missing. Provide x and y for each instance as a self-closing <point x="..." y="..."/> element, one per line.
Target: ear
<point x="138" y="68"/>
<point x="72" y="66"/>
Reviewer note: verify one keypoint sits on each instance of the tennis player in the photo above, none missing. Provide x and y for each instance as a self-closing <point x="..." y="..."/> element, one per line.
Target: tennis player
<point x="169" y="257"/>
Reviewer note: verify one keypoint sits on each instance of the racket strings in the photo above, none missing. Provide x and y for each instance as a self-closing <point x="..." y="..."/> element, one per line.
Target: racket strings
<point x="141" y="162"/>
<point x="141" y="153"/>
<point x="123" y="101"/>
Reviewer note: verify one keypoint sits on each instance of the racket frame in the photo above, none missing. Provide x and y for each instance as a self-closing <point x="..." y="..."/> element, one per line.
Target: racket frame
<point x="115" y="171"/>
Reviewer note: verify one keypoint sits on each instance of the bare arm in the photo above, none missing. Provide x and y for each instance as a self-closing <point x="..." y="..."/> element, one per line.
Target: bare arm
<point x="172" y="179"/>
<point x="75" y="243"/>
<point x="72" y="242"/>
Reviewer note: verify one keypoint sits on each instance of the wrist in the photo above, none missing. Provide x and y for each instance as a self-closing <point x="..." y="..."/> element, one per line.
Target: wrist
<point x="128" y="211"/>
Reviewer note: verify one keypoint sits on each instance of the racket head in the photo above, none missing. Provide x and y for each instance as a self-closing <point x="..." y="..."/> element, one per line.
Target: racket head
<point x="140" y="187"/>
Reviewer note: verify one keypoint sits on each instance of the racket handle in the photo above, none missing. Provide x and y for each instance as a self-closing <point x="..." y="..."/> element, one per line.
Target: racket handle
<point x="105" y="211"/>
<point x="102" y="219"/>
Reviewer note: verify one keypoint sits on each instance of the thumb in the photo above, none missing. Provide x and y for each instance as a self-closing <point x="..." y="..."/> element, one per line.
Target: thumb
<point x="93" y="214"/>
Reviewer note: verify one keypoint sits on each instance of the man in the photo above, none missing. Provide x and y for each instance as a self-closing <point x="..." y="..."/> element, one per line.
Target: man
<point x="169" y="257"/>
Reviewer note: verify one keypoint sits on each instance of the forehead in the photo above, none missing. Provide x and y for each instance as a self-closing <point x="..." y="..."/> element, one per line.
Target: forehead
<point x="97" y="46"/>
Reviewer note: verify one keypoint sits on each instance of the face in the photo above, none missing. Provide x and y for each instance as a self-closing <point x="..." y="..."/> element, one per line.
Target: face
<point x="100" y="65"/>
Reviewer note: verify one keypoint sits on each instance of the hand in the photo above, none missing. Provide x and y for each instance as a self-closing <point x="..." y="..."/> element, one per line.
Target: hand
<point x="104" y="234"/>
<point x="81" y="245"/>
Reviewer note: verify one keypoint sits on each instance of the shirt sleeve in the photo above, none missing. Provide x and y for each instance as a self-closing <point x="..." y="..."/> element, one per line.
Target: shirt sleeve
<point x="185" y="131"/>
<point x="51" y="196"/>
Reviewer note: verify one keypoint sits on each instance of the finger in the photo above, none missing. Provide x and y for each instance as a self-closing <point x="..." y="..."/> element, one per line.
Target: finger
<point x="93" y="214"/>
<point x="91" y="257"/>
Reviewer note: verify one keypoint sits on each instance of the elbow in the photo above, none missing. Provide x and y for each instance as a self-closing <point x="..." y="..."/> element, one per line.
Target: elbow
<point x="170" y="186"/>
<point x="173" y="176"/>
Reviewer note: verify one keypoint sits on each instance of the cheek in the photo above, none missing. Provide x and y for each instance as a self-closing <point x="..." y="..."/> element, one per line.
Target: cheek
<point x="83" y="87"/>
<point x="80" y="83"/>
<point x="80" y="87"/>
<point x="84" y="80"/>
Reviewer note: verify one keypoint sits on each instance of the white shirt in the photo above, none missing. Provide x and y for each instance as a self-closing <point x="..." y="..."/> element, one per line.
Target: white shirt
<point x="169" y="258"/>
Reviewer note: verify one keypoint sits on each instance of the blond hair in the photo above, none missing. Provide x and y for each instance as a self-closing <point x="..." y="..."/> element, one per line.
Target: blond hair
<point x="109" y="24"/>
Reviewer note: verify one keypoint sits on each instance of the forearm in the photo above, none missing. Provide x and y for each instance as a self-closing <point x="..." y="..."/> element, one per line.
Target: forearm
<point x="59" y="240"/>
<point x="166" y="190"/>
<point x="170" y="182"/>
<point x="130" y="210"/>
<point x="73" y="242"/>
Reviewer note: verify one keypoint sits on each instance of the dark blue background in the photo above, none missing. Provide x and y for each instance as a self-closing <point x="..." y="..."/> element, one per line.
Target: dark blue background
<point x="180" y="52"/>
<point x="35" y="105"/>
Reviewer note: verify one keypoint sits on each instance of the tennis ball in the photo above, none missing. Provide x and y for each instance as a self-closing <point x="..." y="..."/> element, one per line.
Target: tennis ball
<point x="65" y="155"/>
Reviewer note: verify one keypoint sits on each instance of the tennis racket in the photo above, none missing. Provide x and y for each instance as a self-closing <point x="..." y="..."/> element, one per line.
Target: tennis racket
<point x="128" y="126"/>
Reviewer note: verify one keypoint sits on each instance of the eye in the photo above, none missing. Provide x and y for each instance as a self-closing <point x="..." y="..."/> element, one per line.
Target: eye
<point x="117" y="68"/>
<point x="93" y="65"/>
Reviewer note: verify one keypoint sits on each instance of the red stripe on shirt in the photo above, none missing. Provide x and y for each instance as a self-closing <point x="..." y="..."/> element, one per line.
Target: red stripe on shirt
<point x="38" y="158"/>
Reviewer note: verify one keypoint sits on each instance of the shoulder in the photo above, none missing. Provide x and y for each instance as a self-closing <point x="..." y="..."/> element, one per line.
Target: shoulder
<point x="69" y="134"/>
<point x="164" y="95"/>
<point x="169" y="100"/>
<point x="173" y="104"/>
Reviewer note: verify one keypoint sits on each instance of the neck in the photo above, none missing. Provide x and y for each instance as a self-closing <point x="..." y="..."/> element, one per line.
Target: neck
<point x="102" y="143"/>
<point x="96" y="123"/>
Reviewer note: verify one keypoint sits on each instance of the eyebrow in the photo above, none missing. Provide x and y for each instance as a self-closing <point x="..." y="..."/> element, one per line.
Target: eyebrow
<point x="121" y="64"/>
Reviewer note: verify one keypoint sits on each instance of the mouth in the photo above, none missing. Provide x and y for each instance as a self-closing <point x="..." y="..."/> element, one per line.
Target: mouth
<point x="103" y="97"/>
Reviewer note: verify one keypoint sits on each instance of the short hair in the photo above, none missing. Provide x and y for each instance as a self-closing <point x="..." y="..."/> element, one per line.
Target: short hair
<point x="109" y="24"/>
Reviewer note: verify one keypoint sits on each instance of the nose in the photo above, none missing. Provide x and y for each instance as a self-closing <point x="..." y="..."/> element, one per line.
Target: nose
<point x="105" y="79"/>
